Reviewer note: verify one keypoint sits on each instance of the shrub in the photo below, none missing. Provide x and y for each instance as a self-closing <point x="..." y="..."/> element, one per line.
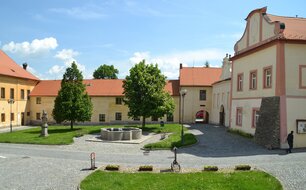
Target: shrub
<point x="242" y="167"/>
<point x="210" y="168"/>
<point x="241" y="133"/>
<point x="145" y="168"/>
<point x="112" y="167"/>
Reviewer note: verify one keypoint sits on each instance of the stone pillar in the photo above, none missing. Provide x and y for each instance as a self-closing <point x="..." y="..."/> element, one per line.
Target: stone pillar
<point x="267" y="131"/>
<point x="44" y="126"/>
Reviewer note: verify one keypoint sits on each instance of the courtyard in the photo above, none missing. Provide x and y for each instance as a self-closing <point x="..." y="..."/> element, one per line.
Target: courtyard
<point x="65" y="166"/>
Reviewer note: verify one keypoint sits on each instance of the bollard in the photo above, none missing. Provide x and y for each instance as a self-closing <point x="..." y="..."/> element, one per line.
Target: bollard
<point x="175" y="166"/>
<point x="93" y="161"/>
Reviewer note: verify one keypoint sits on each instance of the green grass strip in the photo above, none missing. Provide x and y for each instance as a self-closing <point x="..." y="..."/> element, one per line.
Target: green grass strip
<point x="250" y="180"/>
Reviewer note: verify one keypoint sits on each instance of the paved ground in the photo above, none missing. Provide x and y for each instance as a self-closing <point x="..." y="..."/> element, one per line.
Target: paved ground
<point x="63" y="167"/>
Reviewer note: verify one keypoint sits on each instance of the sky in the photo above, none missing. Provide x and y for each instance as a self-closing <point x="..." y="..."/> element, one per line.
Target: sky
<point x="49" y="35"/>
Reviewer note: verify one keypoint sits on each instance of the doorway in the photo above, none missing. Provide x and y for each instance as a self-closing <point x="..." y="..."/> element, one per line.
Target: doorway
<point x="22" y="118"/>
<point x="221" y="115"/>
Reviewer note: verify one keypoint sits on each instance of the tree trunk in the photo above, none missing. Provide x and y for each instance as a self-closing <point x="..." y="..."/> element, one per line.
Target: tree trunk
<point x="71" y="125"/>
<point x="143" y="122"/>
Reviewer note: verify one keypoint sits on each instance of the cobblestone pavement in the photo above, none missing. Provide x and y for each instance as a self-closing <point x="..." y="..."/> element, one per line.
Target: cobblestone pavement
<point x="63" y="167"/>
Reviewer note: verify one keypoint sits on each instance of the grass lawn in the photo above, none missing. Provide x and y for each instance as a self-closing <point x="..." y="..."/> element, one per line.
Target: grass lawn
<point x="62" y="135"/>
<point x="58" y="135"/>
<point x="246" y="180"/>
<point x="174" y="140"/>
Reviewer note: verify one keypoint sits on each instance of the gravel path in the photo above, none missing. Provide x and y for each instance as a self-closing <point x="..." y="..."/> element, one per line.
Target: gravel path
<point x="25" y="167"/>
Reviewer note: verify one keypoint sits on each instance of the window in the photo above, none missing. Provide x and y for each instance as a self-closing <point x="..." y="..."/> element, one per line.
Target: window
<point x="119" y="101"/>
<point x="12" y="93"/>
<point x="28" y="94"/>
<point x="255" y="117"/>
<point x="102" y="117"/>
<point x="22" y="94"/>
<point x="118" y="116"/>
<point x="37" y="116"/>
<point x="170" y="117"/>
<point x="3" y="93"/>
<point x="12" y="117"/>
<point x="239" y="116"/>
<point x="38" y="100"/>
<point x="202" y="94"/>
<point x="253" y="80"/>
<point x="268" y="77"/>
<point x="28" y="113"/>
<point x="3" y="117"/>
<point x="154" y="118"/>
<point x="240" y="82"/>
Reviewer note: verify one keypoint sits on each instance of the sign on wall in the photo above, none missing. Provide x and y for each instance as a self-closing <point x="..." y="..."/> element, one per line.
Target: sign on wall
<point x="301" y="126"/>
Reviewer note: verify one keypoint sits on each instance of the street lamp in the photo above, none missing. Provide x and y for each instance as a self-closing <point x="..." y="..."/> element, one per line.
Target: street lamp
<point x="11" y="101"/>
<point x="183" y="94"/>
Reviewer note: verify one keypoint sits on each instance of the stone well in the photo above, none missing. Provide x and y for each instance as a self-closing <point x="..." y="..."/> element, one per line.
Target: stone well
<point x="121" y="134"/>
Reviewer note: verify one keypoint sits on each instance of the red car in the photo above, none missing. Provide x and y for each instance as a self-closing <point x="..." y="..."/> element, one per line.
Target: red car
<point x="202" y="117"/>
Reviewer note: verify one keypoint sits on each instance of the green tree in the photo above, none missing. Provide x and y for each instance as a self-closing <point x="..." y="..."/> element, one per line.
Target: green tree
<point x="145" y="94"/>
<point x="72" y="102"/>
<point x="105" y="72"/>
<point x="207" y="64"/>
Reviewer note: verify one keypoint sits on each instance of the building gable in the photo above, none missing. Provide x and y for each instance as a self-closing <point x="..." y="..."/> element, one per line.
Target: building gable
<point x="262" y="28"/>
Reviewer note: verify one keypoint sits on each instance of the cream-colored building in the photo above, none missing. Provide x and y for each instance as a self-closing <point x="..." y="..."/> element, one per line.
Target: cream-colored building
<point x="106" y="96"/>
<point x="270" y="61"/>
<point x="16" y="83"/>
<point x="197" y="82"/>
<point x="221" y="89"/>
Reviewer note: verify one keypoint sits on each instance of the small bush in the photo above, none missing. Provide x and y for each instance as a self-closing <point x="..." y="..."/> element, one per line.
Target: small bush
<point x="210" y="168"/>
<point x="241" y="133"/>
<point x="242" y="167"/>
<point x="112" y="167"/>
<point x="145" y="168"/>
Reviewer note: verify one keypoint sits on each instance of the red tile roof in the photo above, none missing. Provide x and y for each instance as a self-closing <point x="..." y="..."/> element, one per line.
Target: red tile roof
<point x="199" y="76"/>
<point x="295" y="27"/>
<point x="8" y="67"/>
<point x="95" y="87"/>
<point x="173" y="87"/>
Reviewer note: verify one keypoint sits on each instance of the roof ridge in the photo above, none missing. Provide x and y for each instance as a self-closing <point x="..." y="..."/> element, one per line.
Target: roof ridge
<point x="290" y="17"/>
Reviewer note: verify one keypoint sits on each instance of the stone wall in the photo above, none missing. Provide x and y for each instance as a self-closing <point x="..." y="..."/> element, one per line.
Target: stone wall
<point x="268" y="126"/>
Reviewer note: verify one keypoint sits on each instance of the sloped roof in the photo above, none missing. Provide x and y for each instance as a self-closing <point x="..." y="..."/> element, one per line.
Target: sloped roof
<point x="295" y="27"/>
<point x="199" y="76"/>
<point x="95" y="87"/>
<point x="173" y="87"/>
<point x="8" y="67"/>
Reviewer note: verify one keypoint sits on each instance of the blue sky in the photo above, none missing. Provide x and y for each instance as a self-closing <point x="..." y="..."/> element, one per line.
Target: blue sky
<point x="49" y="35"/>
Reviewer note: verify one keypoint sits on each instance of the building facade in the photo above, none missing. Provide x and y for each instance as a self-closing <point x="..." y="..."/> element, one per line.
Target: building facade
<point x="107" y="99"/>
<point x="221" y="92"/>
<point x="15" y="85"/>
<point x="270" y="62"/>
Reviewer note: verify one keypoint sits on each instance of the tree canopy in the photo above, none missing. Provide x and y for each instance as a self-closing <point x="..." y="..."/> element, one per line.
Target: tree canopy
<point x="145" y="94"/>
<point x="72" y="102"/>
<point x="207" y="64"/>
<point x="106" y="72"/>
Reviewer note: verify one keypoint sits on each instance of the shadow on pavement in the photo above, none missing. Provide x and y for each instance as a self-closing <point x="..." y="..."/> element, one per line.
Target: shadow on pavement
<point x="215" y="141"/>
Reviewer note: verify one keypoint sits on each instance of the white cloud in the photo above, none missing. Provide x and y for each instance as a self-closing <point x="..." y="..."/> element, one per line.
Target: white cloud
<point x="67" y="56"/>
<point x="29" y="48"/>
<point x="56" y="69"/>
<point x="169" y="64"/>
<point x="84" y="13"/>
<point x="139" y="56"/>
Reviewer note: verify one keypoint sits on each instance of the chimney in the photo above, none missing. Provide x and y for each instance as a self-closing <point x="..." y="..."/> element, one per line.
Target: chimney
<point x="24" y="65"/>
<point x="181" y="65"/>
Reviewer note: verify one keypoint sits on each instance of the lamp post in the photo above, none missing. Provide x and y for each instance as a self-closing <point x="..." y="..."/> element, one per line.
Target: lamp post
<point x="183" y="94"/>
<point x="11" y="102"/>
